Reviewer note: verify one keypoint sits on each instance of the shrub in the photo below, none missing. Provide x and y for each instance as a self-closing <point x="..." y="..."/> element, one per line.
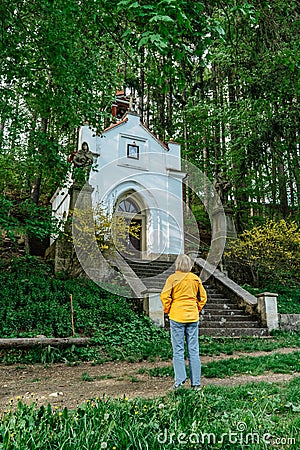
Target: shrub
<point x="270" y="252"/>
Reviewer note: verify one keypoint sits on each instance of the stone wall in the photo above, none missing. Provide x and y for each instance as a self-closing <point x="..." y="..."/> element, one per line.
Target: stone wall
<point x="289" y="322"/>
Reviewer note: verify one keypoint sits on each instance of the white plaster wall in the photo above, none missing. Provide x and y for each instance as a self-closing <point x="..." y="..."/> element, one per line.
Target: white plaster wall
<point x="60" y="208"/>
<point x="60" y="204"/>
<point x="155" y="177"/>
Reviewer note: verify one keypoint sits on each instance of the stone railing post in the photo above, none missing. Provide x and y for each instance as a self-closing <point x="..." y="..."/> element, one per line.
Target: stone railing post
<point x="153" y="307"/>
<point x="267" y="309"/>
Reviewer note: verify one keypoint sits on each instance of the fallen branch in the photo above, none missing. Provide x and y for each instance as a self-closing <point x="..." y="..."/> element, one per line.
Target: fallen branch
<point x="37" y="341"/>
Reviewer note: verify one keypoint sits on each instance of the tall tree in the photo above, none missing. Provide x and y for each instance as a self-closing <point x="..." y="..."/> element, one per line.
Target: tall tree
<point x="220" y="77"/>
<point x="59" y="67"/>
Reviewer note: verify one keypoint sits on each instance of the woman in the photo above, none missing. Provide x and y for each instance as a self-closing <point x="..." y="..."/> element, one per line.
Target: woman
<point x="183" y="297"/>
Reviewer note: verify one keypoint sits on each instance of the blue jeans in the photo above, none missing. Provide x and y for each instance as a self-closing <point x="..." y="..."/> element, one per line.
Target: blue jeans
<point x="179" y="332"/>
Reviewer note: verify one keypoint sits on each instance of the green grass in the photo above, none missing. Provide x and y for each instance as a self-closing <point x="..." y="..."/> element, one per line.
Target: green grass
<point x="277" y="363"/>
<point x="250" y="365"/>
<point x="86" y="377"/>
<point x="143" y="343"/>
<point x="132" y="347"/>
<point x="288" y="300"/>
<point x="34" y="301"/>
<point x="213" y="418"/>
<point x="216" y="346"/>
<point x="254" y="416"/>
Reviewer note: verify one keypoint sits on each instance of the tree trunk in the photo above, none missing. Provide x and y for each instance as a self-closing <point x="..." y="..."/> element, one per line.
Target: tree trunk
<point x="36" y="189"/>
<point x="284" y="207"/>
<point x="216" y="125"/>
<point x="1" y="132"/>
<point x="241" y="196"/>
<point x="142" y="85"/>
<point x="148" y="106"/>
<point x="169" y="127"/>
<point x="38" y="341"/>
<point x="185" y="138"/>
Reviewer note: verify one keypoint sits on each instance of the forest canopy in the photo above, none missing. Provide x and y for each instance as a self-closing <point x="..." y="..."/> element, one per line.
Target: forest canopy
<point x="222" y="78"/>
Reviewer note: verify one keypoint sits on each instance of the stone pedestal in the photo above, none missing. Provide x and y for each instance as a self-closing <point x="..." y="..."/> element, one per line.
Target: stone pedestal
<point x="65" y="258"/>
<point x="74" y="192"/>
<point x="223" y="229"/>
<point x="230" y="225"/>
<point x="218" y="236"/>
<point x="81" y="197"/>
<point x="267" y="308"/>
<point x="154" y="309"/>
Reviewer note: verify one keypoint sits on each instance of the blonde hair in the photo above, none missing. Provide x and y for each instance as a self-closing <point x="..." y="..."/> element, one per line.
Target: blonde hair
<point x="183" y="263"/>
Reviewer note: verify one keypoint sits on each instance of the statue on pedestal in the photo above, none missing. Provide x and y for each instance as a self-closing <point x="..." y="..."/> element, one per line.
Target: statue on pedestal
<point x="222" y="186"/>
<point x="83" y="157"/>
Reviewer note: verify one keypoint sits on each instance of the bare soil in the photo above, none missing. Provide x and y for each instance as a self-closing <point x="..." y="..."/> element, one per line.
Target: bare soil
<point x="62" y="385"/>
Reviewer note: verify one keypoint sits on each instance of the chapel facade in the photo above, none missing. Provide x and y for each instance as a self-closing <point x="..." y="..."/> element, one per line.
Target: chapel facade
<point x="133" y="174"/>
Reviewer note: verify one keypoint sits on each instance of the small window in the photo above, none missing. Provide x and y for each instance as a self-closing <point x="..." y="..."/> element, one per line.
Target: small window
<point x="128" y="206"/>
<point x="133" y="151"/>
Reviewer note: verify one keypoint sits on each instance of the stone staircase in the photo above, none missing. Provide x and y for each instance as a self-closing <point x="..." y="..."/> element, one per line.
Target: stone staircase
<point x="10" y="248"/>
<point x="152" y="273"/>
<point x="221" y="316"/>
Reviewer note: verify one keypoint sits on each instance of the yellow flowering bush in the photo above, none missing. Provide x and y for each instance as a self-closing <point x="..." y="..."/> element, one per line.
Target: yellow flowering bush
<point x="107" y="231"/>
<point x="268" y="251"/>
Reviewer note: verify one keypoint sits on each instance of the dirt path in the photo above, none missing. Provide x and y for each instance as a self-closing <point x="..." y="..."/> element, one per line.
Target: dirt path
<point x="62" y="385"/>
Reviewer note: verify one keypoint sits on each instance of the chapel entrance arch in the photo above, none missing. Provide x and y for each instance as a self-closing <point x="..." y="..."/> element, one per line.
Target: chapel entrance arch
<point x="130" y="207"/>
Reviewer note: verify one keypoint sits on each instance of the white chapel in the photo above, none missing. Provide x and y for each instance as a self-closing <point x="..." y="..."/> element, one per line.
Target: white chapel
<point x="135" y="175"/>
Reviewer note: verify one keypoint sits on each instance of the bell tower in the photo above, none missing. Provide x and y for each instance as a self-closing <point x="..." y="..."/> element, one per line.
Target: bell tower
<point x="120" y="106"/>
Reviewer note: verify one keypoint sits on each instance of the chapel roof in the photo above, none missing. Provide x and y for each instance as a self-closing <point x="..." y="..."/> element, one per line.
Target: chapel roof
<point x="125" y="119"/>
<point x="114" y="125"/>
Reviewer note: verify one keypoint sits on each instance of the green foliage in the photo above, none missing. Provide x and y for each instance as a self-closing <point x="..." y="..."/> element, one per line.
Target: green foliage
<point x="277" y="363"/>
<point x="46" y="299"/>
<point x="211" y="346"/>
<point x="24" y="217"/>
<point x="8" y="223"/>
<point x="169" y="21"/>
<point x="221" y="78"/>
<point x="109" y="231"/>
<point x="86" y="377"/>
<point x="58" y="69"/>
<point x="270" y="251"/>
<point x="288" y="296"/>
<point x="213" y="418"/>
<point x="35" y="302"/>
<point x="242" y="114"/>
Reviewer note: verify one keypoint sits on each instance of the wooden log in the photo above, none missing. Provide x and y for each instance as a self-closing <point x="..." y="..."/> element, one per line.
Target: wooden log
<point x="43" y="341"/>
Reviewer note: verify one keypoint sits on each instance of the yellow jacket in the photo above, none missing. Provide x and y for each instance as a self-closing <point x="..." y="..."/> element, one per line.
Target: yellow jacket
<point x="183" y="297"/>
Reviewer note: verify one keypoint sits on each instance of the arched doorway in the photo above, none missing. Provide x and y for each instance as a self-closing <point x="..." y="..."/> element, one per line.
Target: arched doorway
<point x="129" y="207"/>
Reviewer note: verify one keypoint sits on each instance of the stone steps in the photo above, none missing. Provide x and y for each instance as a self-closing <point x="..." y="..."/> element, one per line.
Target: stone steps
<point x="208" y="309"/>
<point x="220" y="317"/>
<point x="227" y="324"/>
<point x="223" y="318"/>
<point x="8" y="247"/>
<point x="232" y="332"/>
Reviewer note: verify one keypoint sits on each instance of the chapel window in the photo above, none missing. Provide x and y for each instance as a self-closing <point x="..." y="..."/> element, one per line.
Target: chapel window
<point x="133" y="151"/>
<point x="128" y="206"/>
